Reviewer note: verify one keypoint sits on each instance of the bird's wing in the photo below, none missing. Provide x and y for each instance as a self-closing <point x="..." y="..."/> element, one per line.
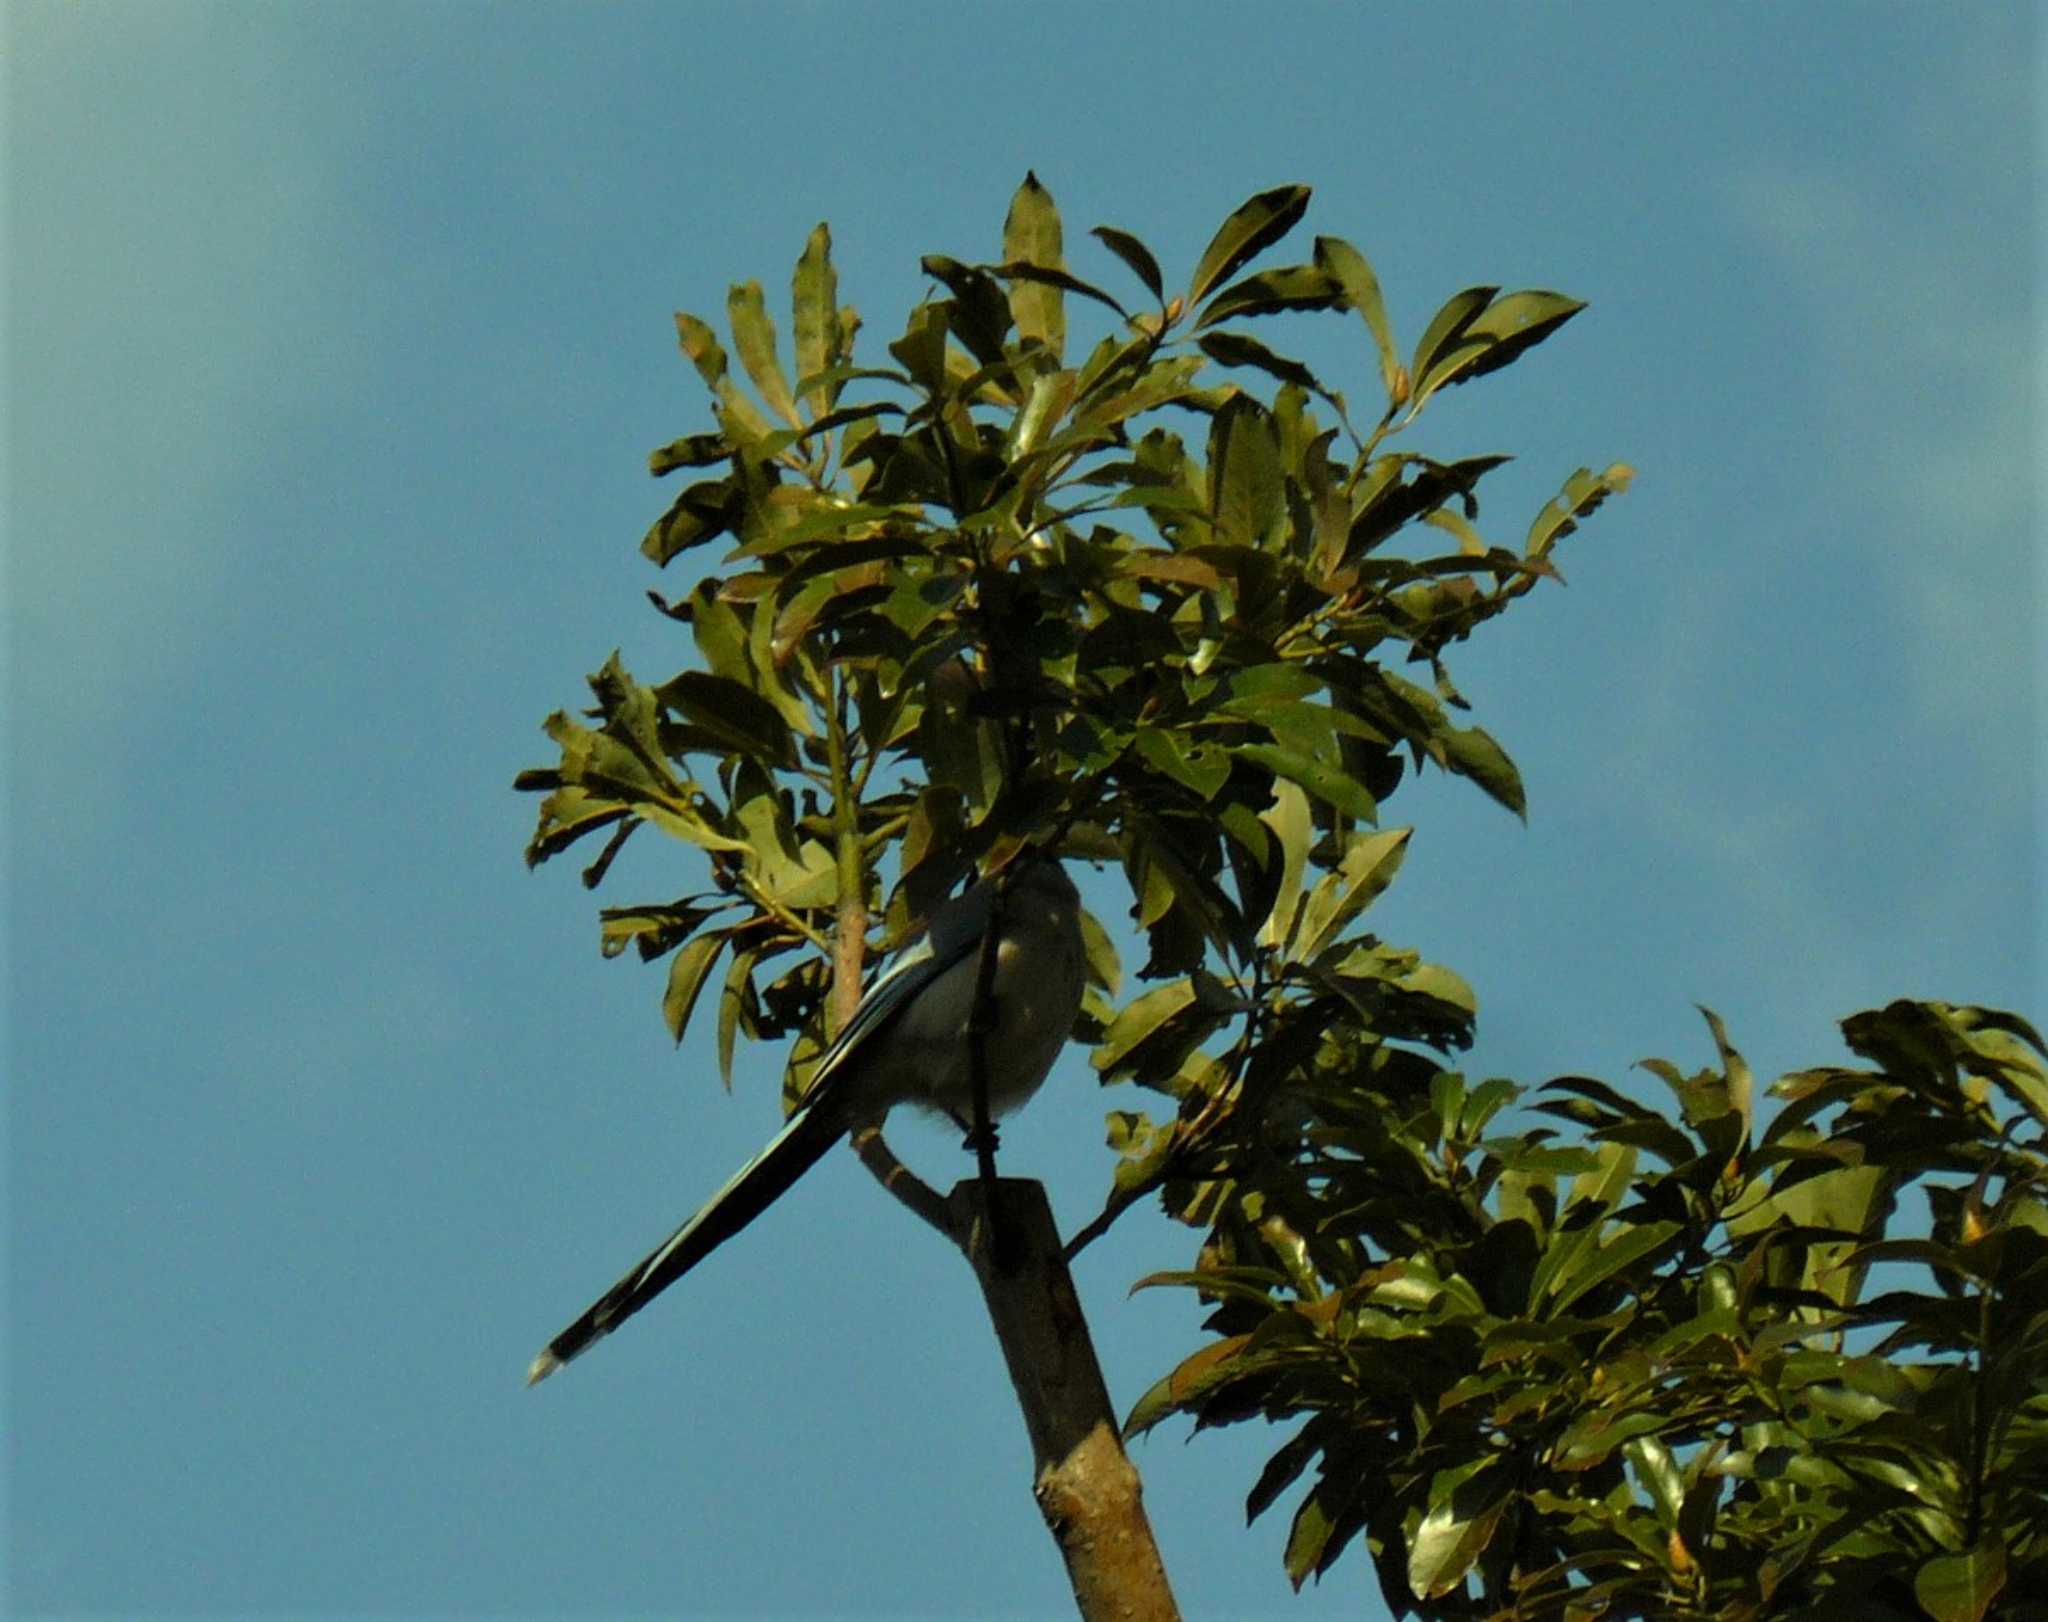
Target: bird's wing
<point x="954" y="933"/>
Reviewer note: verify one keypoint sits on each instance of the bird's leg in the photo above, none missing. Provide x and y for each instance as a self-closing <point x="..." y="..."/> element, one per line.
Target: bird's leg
<point x="977" y="1136"/>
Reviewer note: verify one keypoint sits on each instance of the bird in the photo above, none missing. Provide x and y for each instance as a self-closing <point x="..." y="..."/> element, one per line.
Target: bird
<point x="906" y="1043"/>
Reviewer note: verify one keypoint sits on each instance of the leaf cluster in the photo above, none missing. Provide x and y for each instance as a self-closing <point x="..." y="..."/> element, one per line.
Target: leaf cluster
<point x="1142" y="598"/>
<point x="1710" y="1366"/>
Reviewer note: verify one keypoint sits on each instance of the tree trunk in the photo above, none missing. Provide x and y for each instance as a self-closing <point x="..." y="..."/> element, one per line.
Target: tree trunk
<point x="1087" y="1488"/>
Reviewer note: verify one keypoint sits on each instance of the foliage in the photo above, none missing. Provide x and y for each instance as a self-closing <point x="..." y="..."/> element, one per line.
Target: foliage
<point x="1673" y="1369"/>
<point x="1153" y="598"/>
<point x="1005" y="589"/>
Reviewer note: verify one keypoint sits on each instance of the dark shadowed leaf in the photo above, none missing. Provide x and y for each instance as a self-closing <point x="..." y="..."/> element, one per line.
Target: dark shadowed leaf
<point x="1308" y="1537"/>
<point x="1135" y="254"/>
<point x="733" y="715"/>
<point x="687" y="972"/>
<point x="1254" y="226"/>
<point x="1239" y="349"/>
<point x="693" y="450"/>
<point x="1273" y="292"/>
<point x="1244" y="473"/>
<point x="1048" y="276"/>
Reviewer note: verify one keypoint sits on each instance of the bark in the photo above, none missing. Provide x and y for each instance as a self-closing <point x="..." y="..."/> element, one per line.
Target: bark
<point x="1086" y="1486"/>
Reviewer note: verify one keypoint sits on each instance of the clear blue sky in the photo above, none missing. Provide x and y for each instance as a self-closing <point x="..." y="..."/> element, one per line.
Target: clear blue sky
<point x="336" y="339"/>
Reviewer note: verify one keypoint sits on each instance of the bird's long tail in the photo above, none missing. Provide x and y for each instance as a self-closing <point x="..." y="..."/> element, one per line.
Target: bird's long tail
<point x="799" y="1146"/>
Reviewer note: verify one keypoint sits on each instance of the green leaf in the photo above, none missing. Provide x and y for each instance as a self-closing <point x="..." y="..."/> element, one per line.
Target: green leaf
<point x="1472" y="752"/>
<point x="1031" y="235"/>
<point x="1309" y="1535"/>
<point x="1592" y="1268"/>
<point x="1288" y="817"/>
<point x="737" y="412"/>
<point x="1327" y="783"/>
<point x="1457" y="526"/>
<point x="687" y="972"/>
<point x="734" y="716"/>
<point x="1583" y="492"/>
<point x="1199" y="767"/>
<point x="1050" y="396"/>
<point x="1365" y="872"/>
<point x="1603" y="1189"/>
<point x="1446" y="328"/>
<point x="1245" y="488"/>
<point x="1962" y="1587"/>
<point x="1465" y="1505"/>
<point x="1362" y="293"/>
<point x="1510" y="327"/>
<point x="735" y="1004"/>
<point x="1164" y="381"/>
<point x="753" y="335"/>
<point x="1657" y="1468"/>
<point x="814" y="314"/>
<point x="1272" y="292"/>
<point x="922" y="348"/>
<point x="653" y="929"/>
<point x="692" y="450"/>
<point x="703" y="512"/>
<point x="1740" y="1086"/>
<point x="1051" y="276"/>
<point x="1135" y="254"/>
<point x="1139" y="1021"/>
<point x="1238" y="349"/>
<point x="1194" y="1375"/>
<point x="1255" y="225"/>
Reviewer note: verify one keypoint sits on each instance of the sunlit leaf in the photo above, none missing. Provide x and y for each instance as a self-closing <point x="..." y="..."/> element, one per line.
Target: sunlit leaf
<point x="1446" y="328"/>
<point x="1362" y="292"/>
<point x="1031" y="235"/>
<point x="814" y="314"/>
<point x="754" y="336"/>
<point x="1360" y="878"/>
<point x="701" y="344"/>
<point x="1325" y="782"/>
<point x="1465" y="1506"/>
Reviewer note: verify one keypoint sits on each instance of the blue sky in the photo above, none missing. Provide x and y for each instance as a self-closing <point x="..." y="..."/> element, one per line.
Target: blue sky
<point x="336" y="339"/>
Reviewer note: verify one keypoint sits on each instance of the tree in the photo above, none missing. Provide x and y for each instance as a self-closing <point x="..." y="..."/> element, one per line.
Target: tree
<point x="988" y="596"/>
